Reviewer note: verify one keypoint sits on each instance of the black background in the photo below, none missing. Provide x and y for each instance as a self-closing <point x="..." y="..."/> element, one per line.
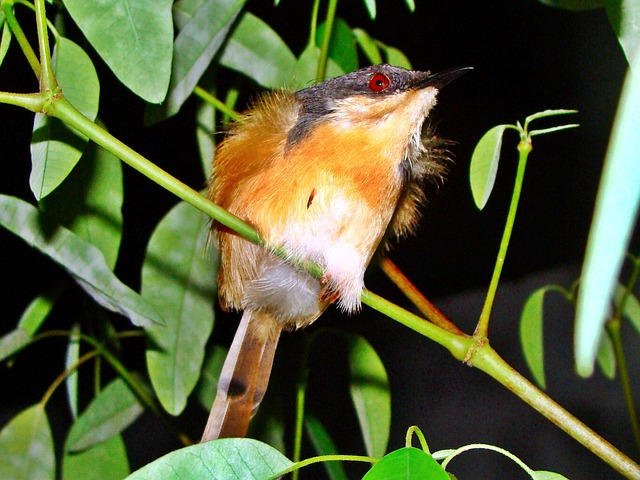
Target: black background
<point x="527" y="58"/>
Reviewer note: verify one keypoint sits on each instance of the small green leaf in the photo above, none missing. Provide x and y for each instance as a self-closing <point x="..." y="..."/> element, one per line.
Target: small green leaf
<point x="323" y="445"/>
<point x="543" y="475"/>
<point x="5" y="39"/>
<point x="613" y="221"/>
<point x="606" y="358"/>
<point x="83" y="261"/>
<point x="55" y="147"/>
<point x="105" y="461"/>
<point x="109" y="413"/>
<point x="229" y="458"/>
<point x="411" y="4"/>
<point x="484" y="165"/>
<point x="395" y="56"/>
<point x="179" y="278"/>
<point x="531" y="335"/>
<point x="194" y="48"/>
<point x="371" y="8"/>
<point x="407" y="464"/>
<point x="342" y="48"/>
<point x="256" y="50"/>
<point x="89" y="201"/>
<point x="624" y="17"/>
<point x="133" y="37"/>
<point x="370" y="394"/>
<point x="368" y="45"/>
<point x="631" y="310"/>
<point x="26" y="447"/>
<point x="71" y="382"/>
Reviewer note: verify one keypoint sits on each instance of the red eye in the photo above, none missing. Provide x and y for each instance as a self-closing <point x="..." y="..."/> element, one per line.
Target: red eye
<point x="379" y="82"/>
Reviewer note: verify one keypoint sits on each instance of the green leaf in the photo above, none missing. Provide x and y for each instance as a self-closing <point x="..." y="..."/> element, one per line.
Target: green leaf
<point x="194" y="48"/>
<point x="26" y="447"/>
<point x="370" y="394"/>
<point x="205" y="128"/>
<point x="411" y="4"/>
<point x="307" y="65"/>
<point x="576" y="5"/>
<point x="109" y="413"/>
<point x="484" y="165"/>
<point x="613" y="221"/>
<point x="342" y="48"/>
<point x="395" y="56"/>
<point x="606" y="358"/>
<point x="531" y="335"/>
<point x="208" y="383"/>
<point x="83" y="261"/>
<point x="257" y="51"/>
<point x="89" y="201"/>
<point x="71" y="382"/>
<point x="543" y="475"/>
<point x="133" y="37"/>
<point x="631" y="309"/>
<point x="5" y="39"/>
<point x="229" y="458"/>
<point x="179" y="278"/>
<point x="368" y="45"/>
<point x="407" y="464"/>
<point x="55" y="147"/>
<point x="624" y="17"/>
<point x="105" y="461"/>
<point x="371" y="8"/>
<point x="323" y="445"/>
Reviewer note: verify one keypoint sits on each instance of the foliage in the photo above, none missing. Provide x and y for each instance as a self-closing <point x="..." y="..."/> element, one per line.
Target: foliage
<point x="164" y="52"/>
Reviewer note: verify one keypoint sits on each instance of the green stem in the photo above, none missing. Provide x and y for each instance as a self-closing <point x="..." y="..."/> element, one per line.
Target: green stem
<point x="47" y="78"/>
<point x="487" y="360"/>
<point x="301" y="393"/>
<point x="613" y="330"/>
<point x="216" y="103"/>
<point x="61" y="378"/>
<point x="66" y="112"/>
<point x="325" y="458"/>
<point x="326" y="40"/>
<point x="482" y="330"/>
<point x="21" y="38"/>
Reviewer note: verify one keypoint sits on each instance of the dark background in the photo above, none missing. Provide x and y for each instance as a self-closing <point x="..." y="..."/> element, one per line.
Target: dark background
<point x="527" y="58"/>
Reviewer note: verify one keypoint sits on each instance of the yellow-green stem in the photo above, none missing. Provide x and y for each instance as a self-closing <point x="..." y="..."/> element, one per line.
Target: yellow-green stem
<point x="21" y="38"/>
<point x="46" y="77"/>
<point x="326" y="41"/>
<point x="482" y="330"/>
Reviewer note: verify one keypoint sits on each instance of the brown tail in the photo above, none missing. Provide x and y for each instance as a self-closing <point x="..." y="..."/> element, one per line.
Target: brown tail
<point x="245" y="376"/>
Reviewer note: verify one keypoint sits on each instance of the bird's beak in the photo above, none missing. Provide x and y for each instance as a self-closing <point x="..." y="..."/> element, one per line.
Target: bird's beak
<point x="441" y="79"/>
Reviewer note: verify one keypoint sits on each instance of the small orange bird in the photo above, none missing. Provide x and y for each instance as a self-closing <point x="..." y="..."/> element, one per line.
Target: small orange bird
<point x="328" y="173"/>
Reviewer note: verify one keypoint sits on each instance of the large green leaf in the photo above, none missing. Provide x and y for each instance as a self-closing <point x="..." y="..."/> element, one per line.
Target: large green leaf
<point x="256" y="50"/>
<point x="179" y="278"/>
<point x="110" y="412"/>
<point x="83" y="261"/>
<point x="624" y="17"/>
<point x="368" y="45"/>
<point x="105" y="461"/>
<point x="304" y="74"/>
<point x="614" y="217"/>
<point x="484" y="165"/>
<point x="133" y="37"/>
<point x="194" y="48"/>
<point x="89" y="201"/>
<point x="229" y="459"/>
<point x="55" y="147"/>
<point x="407" y="464"/>
<point x="370" y="394"/>
<point x="26" y="447"/>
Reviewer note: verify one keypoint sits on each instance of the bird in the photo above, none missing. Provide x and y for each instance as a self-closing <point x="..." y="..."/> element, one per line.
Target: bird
<point x="330" y="174"/>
